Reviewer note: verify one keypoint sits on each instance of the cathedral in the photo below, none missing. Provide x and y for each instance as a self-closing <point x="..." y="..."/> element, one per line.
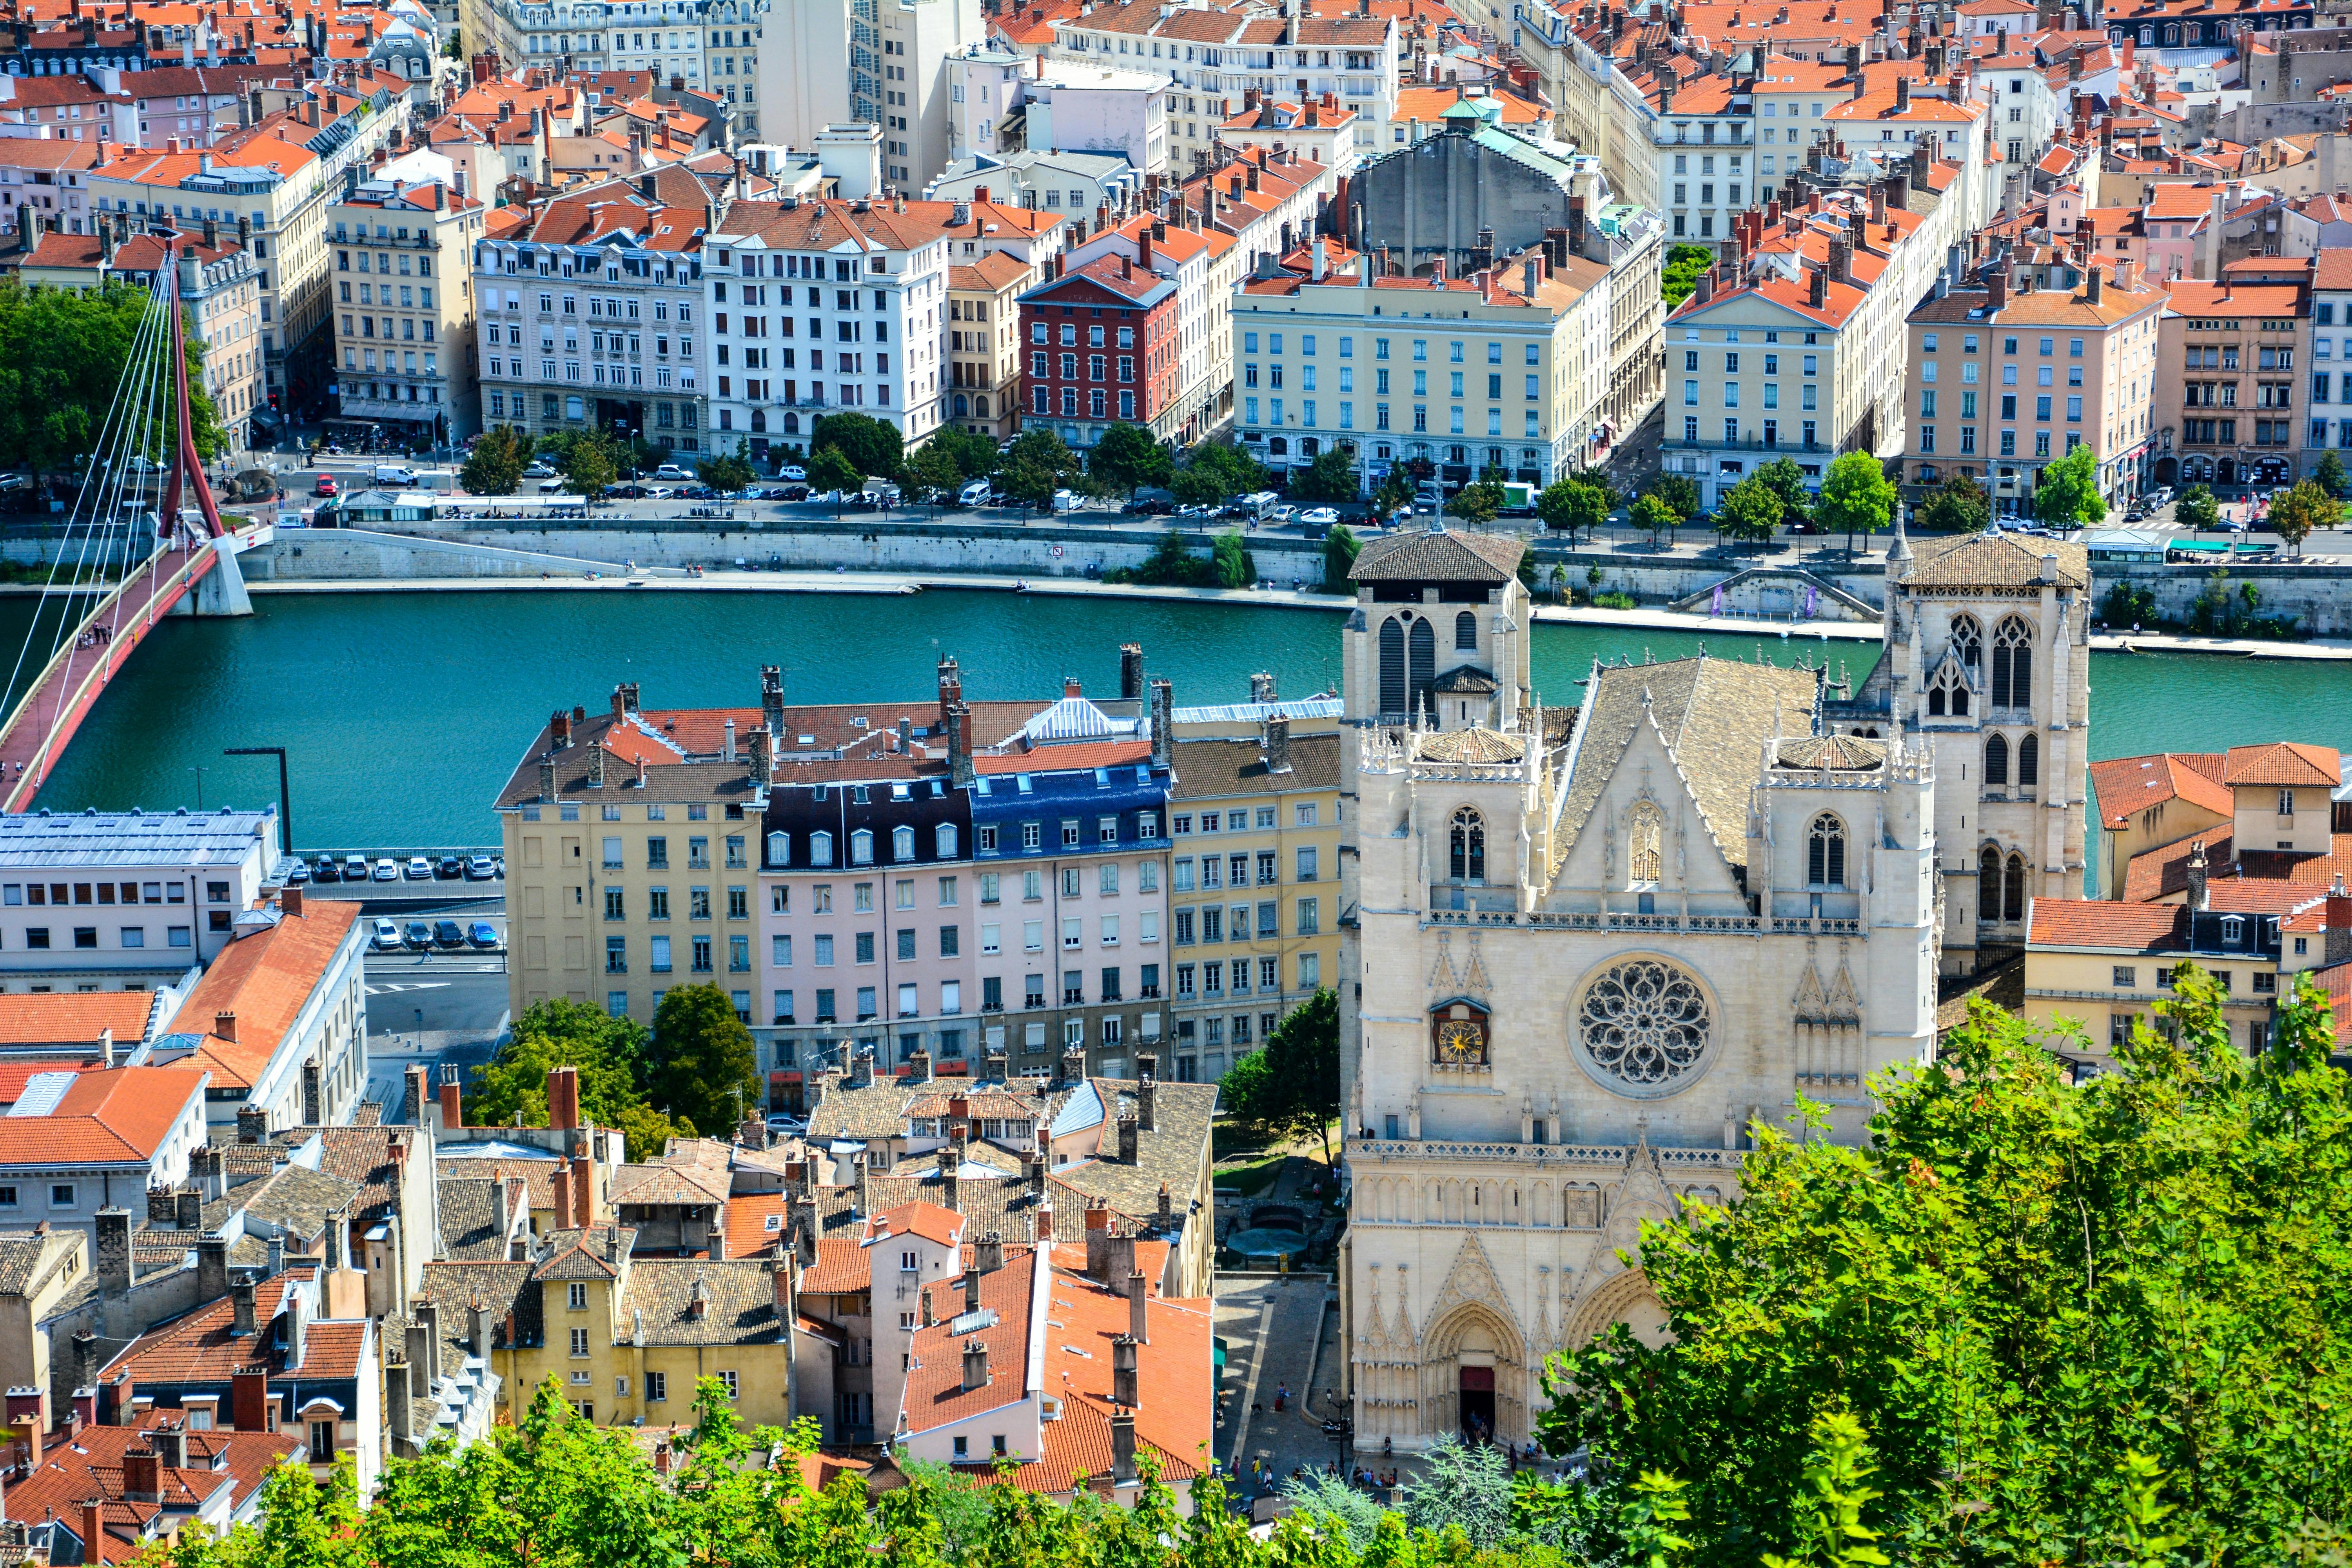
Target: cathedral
<point x="1584" y="948"/>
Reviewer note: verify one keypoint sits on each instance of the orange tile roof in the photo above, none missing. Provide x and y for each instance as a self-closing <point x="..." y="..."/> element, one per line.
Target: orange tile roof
<point x="2106" y="925"/>
<point x="2175" y="201"/>
<point x="2284" y="762"/>
<point x="202" y="1347"/>
<point x="2201" y="297"/>
<point x="929" y="1221"/>
<point x="265" y="979"/>
<point x="2163" y="872"/>
<point x="59" y="1017"/>
<point x="755" y="1223"/>
<point x="2127" y="784"/>
<point x="1053" y="759"/>
<point x="840" y="1269"/>
<point x="110" y="1116"/>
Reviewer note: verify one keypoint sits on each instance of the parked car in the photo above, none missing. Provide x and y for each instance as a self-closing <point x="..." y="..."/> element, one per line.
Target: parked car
<point x="387" y="869"/>
<point x="449" y="867"/>
<point x="673" y="472"/>
<point x="325" y="487"/>
<point x="790" y="1126"/>
<point x="478" y="869"/>
<point x="297" y="873"/>
<point x="328" y="870"/>
<point x="539" y="471"/>
<point x="418" y="934"/>
<point x="386" y="938"/>
<point x="1320" y="516"/>
<point x="355" y="868"/>
<point x="449" y="933"/>
<point x="792" y="471"/>
<point x="420" y="870"/>
<point x="483" y="934"/>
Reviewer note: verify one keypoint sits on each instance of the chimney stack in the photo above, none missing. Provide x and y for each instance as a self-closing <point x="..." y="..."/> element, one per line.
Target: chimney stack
<point x="975" y="1363"/>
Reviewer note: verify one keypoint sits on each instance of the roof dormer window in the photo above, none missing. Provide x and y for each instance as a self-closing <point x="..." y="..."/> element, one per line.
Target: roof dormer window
<point x="2233" y="930"/>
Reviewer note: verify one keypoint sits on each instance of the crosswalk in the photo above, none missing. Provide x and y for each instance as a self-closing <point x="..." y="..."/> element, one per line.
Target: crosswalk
<point x="393" y="990"/>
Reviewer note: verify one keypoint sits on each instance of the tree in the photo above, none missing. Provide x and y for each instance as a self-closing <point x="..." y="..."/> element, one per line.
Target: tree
<point x="1856" y="497"/>
<point x="1331" y="477"/>
<point x="1527" y="570"/>
<point x="589" y="467"/>
<point x="728" y="472"/>
<point x="1959" y="506"/>
<point x="1389" y="495"/>
<point x="1348" y="1515"/>
<point x="1126" y="458"/>
<point x="62" y="355"/>
<point x="1236" y="568"/>
<point x="610" y="1054"/>
<point x="1339" y="549"/>
<point x="1653" y="514"/>
<point x="703" y="1069"/>
<point x="2329" y="475"/>
<point x="1478" y="502"/>
<point x="872" y="446"/>
<point x="2052" y="1310"/>
<point x="2303" y="511"/>
<point x="831" y="469"/>
<point x="1462" y="1486"/>
<point x="1748" y="512"/>
<point x="932" y="472"/>
<point x="2066" y="495"/>
<point x="1294" y="1090"/>
<point x="2197" y="510"/>
<point x="1216" y="473"/>
<point x="1574" y="501"/>
<point x="1038" y="465"/>
<point x="974" y="454"/>
<point x="1677" y="490"/>
<point x="1684" y="265"/>
<point x="494" y="468"/>
<point x="1784" y="478"/>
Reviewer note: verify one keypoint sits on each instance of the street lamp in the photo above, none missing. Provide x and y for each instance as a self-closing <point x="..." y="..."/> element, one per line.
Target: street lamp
<point x="285" y="799"/>
<point x="200" y="774"/>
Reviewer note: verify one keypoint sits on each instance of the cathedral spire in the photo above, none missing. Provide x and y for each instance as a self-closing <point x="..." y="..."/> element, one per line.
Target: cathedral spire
<point x="1898" y="548"/>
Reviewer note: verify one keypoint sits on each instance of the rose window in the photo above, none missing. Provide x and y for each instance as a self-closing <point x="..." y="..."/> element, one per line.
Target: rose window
<point x="1644" y="1024"/>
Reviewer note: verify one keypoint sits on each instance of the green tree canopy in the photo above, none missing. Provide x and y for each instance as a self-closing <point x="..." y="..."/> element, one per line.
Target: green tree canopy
<point x="1329" y="479"/>
<point x="1478" y="502"/>
<point x="1959" y="506"/>
<point x="589" y="467"/>
<point x="2197" y="510"/>
<point x="1038" y="465"/>
<point x="1574" y="502"/>
<point x="728" y="472"/>
<point x="610" y="1054"/>
<point x="494" y="468"/>
<point x="1784" y="478"/>
<point x="63" y="354"/>
<point x="2328" y="474"/>
<point x="1684" y="265"/>
<point x="1677" y="490"/>
<point x="974" y="454"/>
<point x="932" y="471"/>
<point x="703" y="1069"/>
<point x="2066" y="495"/>
<point x="1235" y="566"/>
<point x="1748" y="511"/>
<point x="2303" y="511"/>
<point x="1856" y="496"/>
<point x="2055" y="1310"/>
<point x="1339" y="549"/>
<point x="1217" y="472"/>
<point x="872" y="446"/>
<point x="1126" y="458"/>
<point x="832" y="469"/>
<point x="1654" y="514"/>
<point x="1296" y="1093"/>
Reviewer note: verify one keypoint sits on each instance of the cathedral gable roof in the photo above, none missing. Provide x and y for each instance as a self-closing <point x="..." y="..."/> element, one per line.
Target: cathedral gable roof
<point x="1714" y="715"/>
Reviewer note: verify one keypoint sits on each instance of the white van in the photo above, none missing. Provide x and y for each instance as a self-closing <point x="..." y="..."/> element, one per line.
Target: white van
<point x="1064" y="502"/>
<point x="974" y="494"/>
<point x="399" y="474"/>
<point x="1260" y="504"/>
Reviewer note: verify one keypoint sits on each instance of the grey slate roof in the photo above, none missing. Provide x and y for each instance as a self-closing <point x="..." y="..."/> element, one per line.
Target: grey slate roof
<point x="738" y="1301"/>
<point x="469" y="1221"/>
<point x="1439" y="557"/>
<point x="1994" y="561"/>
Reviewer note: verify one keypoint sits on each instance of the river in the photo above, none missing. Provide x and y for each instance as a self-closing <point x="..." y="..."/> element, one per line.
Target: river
<point x="402" y="713"/>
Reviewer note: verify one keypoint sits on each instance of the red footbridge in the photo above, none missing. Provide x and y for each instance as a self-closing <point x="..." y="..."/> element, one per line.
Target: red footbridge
<point x="129" y="509"/>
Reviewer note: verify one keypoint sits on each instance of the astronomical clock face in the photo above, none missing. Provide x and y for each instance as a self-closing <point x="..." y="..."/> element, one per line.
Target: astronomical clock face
<point x="1461" y="1035"/>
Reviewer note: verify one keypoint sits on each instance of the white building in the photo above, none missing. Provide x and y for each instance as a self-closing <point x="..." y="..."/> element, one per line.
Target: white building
<point x="1594" y="949"/>
<point x="75" y="1140"/>
<point x="125" y="900"/>
<point x="869" y="281"/>
<point x="995" y="107"/>
<point x="881" y="61"/>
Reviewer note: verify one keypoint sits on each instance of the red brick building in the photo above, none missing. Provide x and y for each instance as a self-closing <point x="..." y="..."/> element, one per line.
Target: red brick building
<point x="1101" y="341"/>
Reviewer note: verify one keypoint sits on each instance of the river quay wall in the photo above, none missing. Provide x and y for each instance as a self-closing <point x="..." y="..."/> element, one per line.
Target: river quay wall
<point x="1777" y="585"/>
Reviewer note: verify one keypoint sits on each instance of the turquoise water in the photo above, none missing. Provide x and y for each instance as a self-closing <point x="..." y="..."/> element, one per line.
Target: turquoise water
<point x="402" y="713"/>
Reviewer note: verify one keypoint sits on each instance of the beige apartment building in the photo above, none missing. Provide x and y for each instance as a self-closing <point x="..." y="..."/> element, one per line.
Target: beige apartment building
<point x="2225" y="400"/>
<point x="1253" y="888"/>
<point x="2105" y="965"/>
<point x="629" y="868"/>
<point x="403" y="303"/>
<point x="983" y="347"/>
<point x="2001" y="384"/>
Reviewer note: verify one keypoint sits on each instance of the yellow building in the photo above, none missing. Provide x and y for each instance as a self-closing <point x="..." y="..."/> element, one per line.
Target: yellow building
<point x="1254" y="885"/>
<point x="404" y="306"/>
<point x="2105" y="965"/>
<point x="983" y="347"/>
<point x="628" y="1338"/>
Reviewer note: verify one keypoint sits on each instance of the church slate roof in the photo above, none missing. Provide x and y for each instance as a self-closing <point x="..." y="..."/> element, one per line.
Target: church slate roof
<point x="1994" y="561"/>
<point x="1715" y="714"/>
<point x="1472" y="745"/>
<point x="1439" y="557"/>
<point x="1839" y="754"/>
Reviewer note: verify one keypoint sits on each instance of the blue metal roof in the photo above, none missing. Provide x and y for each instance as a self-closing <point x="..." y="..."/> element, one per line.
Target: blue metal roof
<point x="1122" y="794"/>
<point x="1083" y="1109"/>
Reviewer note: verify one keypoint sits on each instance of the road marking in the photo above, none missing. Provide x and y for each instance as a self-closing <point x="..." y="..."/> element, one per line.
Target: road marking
<point x="421" y="985"/>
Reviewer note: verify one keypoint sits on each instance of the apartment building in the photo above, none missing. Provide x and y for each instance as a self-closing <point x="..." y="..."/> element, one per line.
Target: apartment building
<point x="730" y="60"/>
<point x="1261" y="815"/>
<point x="1101" y="340"/>
<point x="2328" y="354"/>
<point x="267" y="180"/>
<point x="48" y="173"/>
<point x="984" y="344"/>
<point x="1198" y="261"/>
<point x="569" y="36"/>
<point x="2001" y="385"/>
<point x="2225" y="394"/>
<point x="2106" y="965"/>
<point x="859" y="292"/>
<point x="880" y="62"/>
<point x="588" y="309"/>
<point x="416" y="237"/>
<point x="125" y="900"/>
<point x="75" y="1142"/>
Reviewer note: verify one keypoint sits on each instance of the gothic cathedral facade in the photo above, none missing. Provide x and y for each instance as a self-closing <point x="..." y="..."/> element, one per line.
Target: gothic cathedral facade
<point x="1584" y="948"/>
